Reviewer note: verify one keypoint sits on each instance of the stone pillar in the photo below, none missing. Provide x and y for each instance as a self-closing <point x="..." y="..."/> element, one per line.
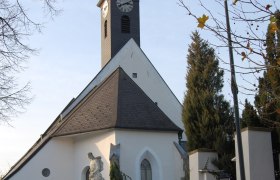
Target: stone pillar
<point x="258" y="157"/>
<point x="200" y="162"/>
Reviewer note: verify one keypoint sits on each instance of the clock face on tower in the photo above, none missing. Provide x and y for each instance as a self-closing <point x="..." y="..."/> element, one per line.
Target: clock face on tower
<point x="105" y="8"/>
<point x="125" y="5"/>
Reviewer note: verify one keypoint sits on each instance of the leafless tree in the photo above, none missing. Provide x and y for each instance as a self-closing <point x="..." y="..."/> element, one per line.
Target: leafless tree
<point x="249" y="18"/>
<point x="16" y="25"/>
<point x="249" y="22"/>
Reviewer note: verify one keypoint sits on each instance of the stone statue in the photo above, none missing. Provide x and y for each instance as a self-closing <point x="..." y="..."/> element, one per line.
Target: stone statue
<point x="95" y="167"/>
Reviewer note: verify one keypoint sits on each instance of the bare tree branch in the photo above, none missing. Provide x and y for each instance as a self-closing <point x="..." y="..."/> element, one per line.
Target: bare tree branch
<point x="15" y="27"/>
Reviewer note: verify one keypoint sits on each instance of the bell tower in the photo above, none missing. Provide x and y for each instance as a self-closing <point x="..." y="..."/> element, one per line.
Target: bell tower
<point x="120" y="22"/>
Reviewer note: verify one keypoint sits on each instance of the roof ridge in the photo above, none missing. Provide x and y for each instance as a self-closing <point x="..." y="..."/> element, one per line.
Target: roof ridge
<point x="117" y="99"/>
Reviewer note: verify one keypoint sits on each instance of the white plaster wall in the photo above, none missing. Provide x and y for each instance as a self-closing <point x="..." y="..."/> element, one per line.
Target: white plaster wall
<point x="55" y="155"/>
<point x="193" y="162"/>
<point x="99" y="144"/>
<point x="157" y="147"/>
<point x="258" y="159"/>
<point x="245" y="146"/>
<point x="67" y="157"/>
<point x="197" y="162"/>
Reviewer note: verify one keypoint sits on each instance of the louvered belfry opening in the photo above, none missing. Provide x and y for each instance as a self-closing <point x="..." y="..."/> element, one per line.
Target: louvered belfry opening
<point x="125" y="24"/>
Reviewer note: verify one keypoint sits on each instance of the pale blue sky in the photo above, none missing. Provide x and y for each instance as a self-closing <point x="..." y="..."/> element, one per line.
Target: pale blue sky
<point x="70" y="57"/>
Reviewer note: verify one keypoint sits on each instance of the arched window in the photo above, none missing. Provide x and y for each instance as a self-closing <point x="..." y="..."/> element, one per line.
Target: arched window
<point x="105" y="29"/>
<point x="146" y="170"/>
<point x="125" y="23"/>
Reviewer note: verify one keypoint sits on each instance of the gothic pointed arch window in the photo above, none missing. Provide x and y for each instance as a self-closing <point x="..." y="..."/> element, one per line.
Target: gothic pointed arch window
<point x="146" y="170"/>
<point x="105" y="29"/>
<point x="125" y="24"/>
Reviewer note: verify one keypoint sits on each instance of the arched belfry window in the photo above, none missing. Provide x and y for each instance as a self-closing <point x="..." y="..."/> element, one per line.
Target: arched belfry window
<point x="146" y="170"/>
<point x="125" y="23"/>
<point x="105" y="29"/>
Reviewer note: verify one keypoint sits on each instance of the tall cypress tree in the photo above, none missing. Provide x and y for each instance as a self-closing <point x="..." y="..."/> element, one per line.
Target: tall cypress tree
<point x="207" y="117"/>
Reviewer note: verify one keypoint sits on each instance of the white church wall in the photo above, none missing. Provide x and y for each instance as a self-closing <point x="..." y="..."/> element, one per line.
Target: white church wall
<point x="56" y="155"/>
<point x="156" y="147"/>
<point x="98" y="143"/>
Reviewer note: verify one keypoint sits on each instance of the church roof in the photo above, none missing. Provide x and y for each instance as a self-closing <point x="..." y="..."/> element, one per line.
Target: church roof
<point x="118" y="102"/>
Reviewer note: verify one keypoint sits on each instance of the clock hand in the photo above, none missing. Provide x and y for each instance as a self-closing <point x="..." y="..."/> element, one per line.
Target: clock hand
<point x="127" y="3"/>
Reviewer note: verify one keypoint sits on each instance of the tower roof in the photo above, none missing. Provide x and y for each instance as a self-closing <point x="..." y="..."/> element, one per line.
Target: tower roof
<point x="118" y="102"/>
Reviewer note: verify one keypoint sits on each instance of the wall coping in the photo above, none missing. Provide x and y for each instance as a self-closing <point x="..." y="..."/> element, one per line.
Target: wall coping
<point x="202" y="150"/>
<point x="256" y="129"/>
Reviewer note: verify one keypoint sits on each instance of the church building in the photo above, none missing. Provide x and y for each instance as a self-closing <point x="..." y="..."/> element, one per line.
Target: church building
<point x="126" y="116"/>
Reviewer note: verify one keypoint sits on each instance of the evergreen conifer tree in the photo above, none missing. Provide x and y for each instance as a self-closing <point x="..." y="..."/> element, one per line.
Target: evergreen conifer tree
<point x="250" y="117"/>
<point x="207" y="116"/>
